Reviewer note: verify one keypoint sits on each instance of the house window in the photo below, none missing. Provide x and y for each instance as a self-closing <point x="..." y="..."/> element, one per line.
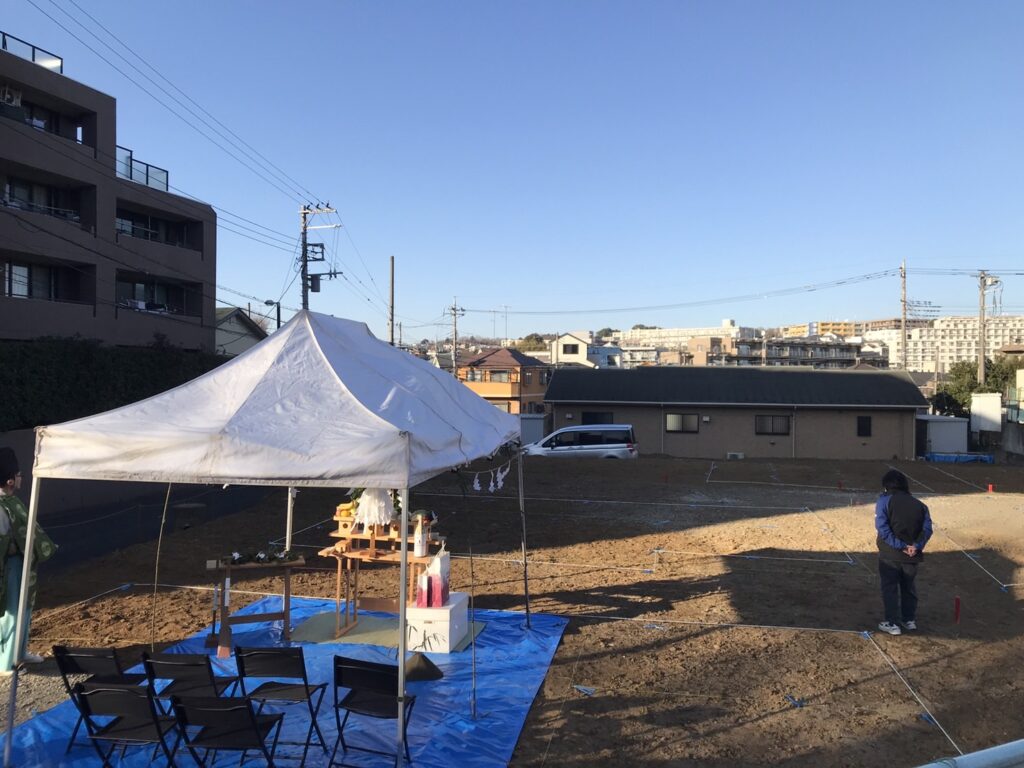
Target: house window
<point x="597" y="417"/>
<point x="682" y="422"/>
<point x="863" y="426"/>
<point x="506" y="407"/>
<point x="771" y="425"/>
<point x="570" y="349"/>
<point x="474" y="374"/>
<point x="545" y="376"/>
<point x="500" y="376"/>
<point x="527" y="377"/>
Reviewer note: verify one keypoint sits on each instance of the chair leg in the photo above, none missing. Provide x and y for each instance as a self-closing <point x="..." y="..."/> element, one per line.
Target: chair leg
<point x="200" y="761"/>
<point x="74" y="733"/>
<point x="313" y="711"/>
<point x="273" y="748"/>
<point x="104" y="756"/>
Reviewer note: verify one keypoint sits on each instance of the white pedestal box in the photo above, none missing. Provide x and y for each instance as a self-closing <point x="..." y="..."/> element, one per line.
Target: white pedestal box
<point x="438" y="630"/>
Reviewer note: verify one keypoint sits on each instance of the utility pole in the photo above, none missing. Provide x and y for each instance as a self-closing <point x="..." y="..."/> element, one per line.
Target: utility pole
<point x="391" y="305"/>
<point x="312" y="282"/>
<point x="456" y="311"/>
<point x="903" y="316"/>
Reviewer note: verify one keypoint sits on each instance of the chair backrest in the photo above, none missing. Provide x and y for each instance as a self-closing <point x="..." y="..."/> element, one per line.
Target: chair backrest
<point x="366" y="675"/>
<point x="87" y="661"/>
<point x="191" y="667"/>
<point x="231" y="715"/>
<point x="106" y="699"/>
<point x="271" y="662"/>
<point x="94" y="662"/>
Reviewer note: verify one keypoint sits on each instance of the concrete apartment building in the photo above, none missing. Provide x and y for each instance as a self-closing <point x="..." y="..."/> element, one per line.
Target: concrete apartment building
<point x="92" y="242"/>
<point x="814" y="353"/>
<point x="675" y="338"/>
<point x="948" y="340"/>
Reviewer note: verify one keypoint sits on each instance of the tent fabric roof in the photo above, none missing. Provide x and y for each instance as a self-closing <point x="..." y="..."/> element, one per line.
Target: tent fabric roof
<point x="321" y="402"/>
<point x="693" y="385"/>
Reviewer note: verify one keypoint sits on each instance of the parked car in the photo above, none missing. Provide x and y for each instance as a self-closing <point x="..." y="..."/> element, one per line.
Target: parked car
<point x="595" y="441"/>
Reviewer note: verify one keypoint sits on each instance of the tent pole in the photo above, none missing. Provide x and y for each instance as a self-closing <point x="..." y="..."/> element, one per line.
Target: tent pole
<point x="288" y="525"/>
<point x="522" y="517"/>
<point x="402" y="629"/>
<point x="21" y="625"/>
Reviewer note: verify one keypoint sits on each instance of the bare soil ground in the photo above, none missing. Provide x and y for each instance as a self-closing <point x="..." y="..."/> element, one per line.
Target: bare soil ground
<point x="719" y="610"/>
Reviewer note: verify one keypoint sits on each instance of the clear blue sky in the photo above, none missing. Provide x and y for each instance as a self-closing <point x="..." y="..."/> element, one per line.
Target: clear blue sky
<point x="555" y="155"/>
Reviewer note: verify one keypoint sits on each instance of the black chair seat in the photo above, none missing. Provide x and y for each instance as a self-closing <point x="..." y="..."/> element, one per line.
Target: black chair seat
<point x="232" y="737"/>
<point x="277" y="691"/>
<point x="372" y="703"/>
<point x="195" y="687"/>
<point x="125" y="729"/>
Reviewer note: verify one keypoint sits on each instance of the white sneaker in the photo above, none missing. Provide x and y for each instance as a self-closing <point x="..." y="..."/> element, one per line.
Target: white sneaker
<point x="909" y="625"/>
<point x="33" y="658"/>
<point x="892" y="629"/>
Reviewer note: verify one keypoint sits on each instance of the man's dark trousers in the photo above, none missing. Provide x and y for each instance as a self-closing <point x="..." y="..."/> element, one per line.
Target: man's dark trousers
<point x="897" y="583"/>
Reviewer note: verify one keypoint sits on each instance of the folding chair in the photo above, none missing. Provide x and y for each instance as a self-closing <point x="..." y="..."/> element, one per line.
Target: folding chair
<point x="95" y="664"/>
<point x="190" y="674"/>
<point x="211" y="724"/>
<point x="271" y="664"/>
<point x="373" y="692"/>
<point x="134" y="720"/>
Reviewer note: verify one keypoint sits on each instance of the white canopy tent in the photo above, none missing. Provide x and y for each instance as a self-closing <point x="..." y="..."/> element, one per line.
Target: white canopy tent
<point x="320" y="403"/>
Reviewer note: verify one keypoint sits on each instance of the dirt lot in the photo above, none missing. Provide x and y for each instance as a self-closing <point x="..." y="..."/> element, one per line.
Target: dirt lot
<point x="719" y="610"/>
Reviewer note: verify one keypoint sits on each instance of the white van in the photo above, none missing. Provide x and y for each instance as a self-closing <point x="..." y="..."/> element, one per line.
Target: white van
<point x="595" y="441"/>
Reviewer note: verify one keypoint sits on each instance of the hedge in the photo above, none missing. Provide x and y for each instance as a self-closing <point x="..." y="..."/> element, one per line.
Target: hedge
<point x="51" y="380"/>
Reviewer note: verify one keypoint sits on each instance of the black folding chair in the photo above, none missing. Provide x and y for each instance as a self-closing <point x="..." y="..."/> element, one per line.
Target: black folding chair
<point x="271" y="664"/>
<point x="133" y="718"/>
<point x="190" y="674"/>
<point x="212" y="724"/>
<point x="95" y="664"/>
<point x="373" y="692"/>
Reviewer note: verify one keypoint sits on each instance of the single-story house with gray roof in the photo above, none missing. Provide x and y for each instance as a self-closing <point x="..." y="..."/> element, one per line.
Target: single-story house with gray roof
<point x="762" y="412"/>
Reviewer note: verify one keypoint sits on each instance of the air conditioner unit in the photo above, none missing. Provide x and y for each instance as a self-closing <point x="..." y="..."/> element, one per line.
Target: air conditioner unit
<point x="734" y="455"/>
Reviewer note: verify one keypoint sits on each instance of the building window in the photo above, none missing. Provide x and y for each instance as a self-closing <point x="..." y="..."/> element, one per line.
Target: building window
<point x="501" y="377"/>
<point x="506" y="407"/>
<point x="146" y="227"/>
<point x="28" y="281"/>
<point x="527" y="377"/>
<point x="147" y="294"/>
<point x="682" y="422"/>
<point x="863" y="426"/>
<point x="771" y="425"/>
<point x="570" y="349"/>
<point x="474" y="374"/>
<point x="545" y="376"/>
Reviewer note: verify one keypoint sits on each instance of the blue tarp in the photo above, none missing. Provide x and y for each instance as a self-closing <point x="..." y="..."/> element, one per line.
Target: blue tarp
<point x="960" y="458"/>
<point x="511" y="662"/>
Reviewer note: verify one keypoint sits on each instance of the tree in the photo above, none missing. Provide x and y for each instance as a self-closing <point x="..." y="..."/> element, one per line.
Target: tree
<point x="642" y="327"/>
<point x="962" y="382"/>
<point x="606" y="332"/>
<point x="533" y="342"/>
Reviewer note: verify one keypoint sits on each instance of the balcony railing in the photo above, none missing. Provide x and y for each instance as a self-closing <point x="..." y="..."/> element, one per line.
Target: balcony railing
<point x="19" y="47"/>
<point x="141" y="173"/>
<point x="67" y="214"/>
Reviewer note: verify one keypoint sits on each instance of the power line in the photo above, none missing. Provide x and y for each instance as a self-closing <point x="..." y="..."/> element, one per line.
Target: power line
<point x="145" y="90"/>
<point x="810" y="288"/>
<point x="283" y="174"/>
<point x="159" y="198"/>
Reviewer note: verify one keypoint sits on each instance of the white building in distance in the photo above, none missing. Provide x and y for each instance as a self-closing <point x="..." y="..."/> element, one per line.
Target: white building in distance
<point x="949" y="340"/>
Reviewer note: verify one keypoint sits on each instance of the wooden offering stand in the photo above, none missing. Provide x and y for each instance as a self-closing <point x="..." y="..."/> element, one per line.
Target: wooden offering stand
<point x="358" y="543"/>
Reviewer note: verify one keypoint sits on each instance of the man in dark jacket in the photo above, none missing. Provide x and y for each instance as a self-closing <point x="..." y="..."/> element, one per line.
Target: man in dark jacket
<point x="904" y="527"/>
